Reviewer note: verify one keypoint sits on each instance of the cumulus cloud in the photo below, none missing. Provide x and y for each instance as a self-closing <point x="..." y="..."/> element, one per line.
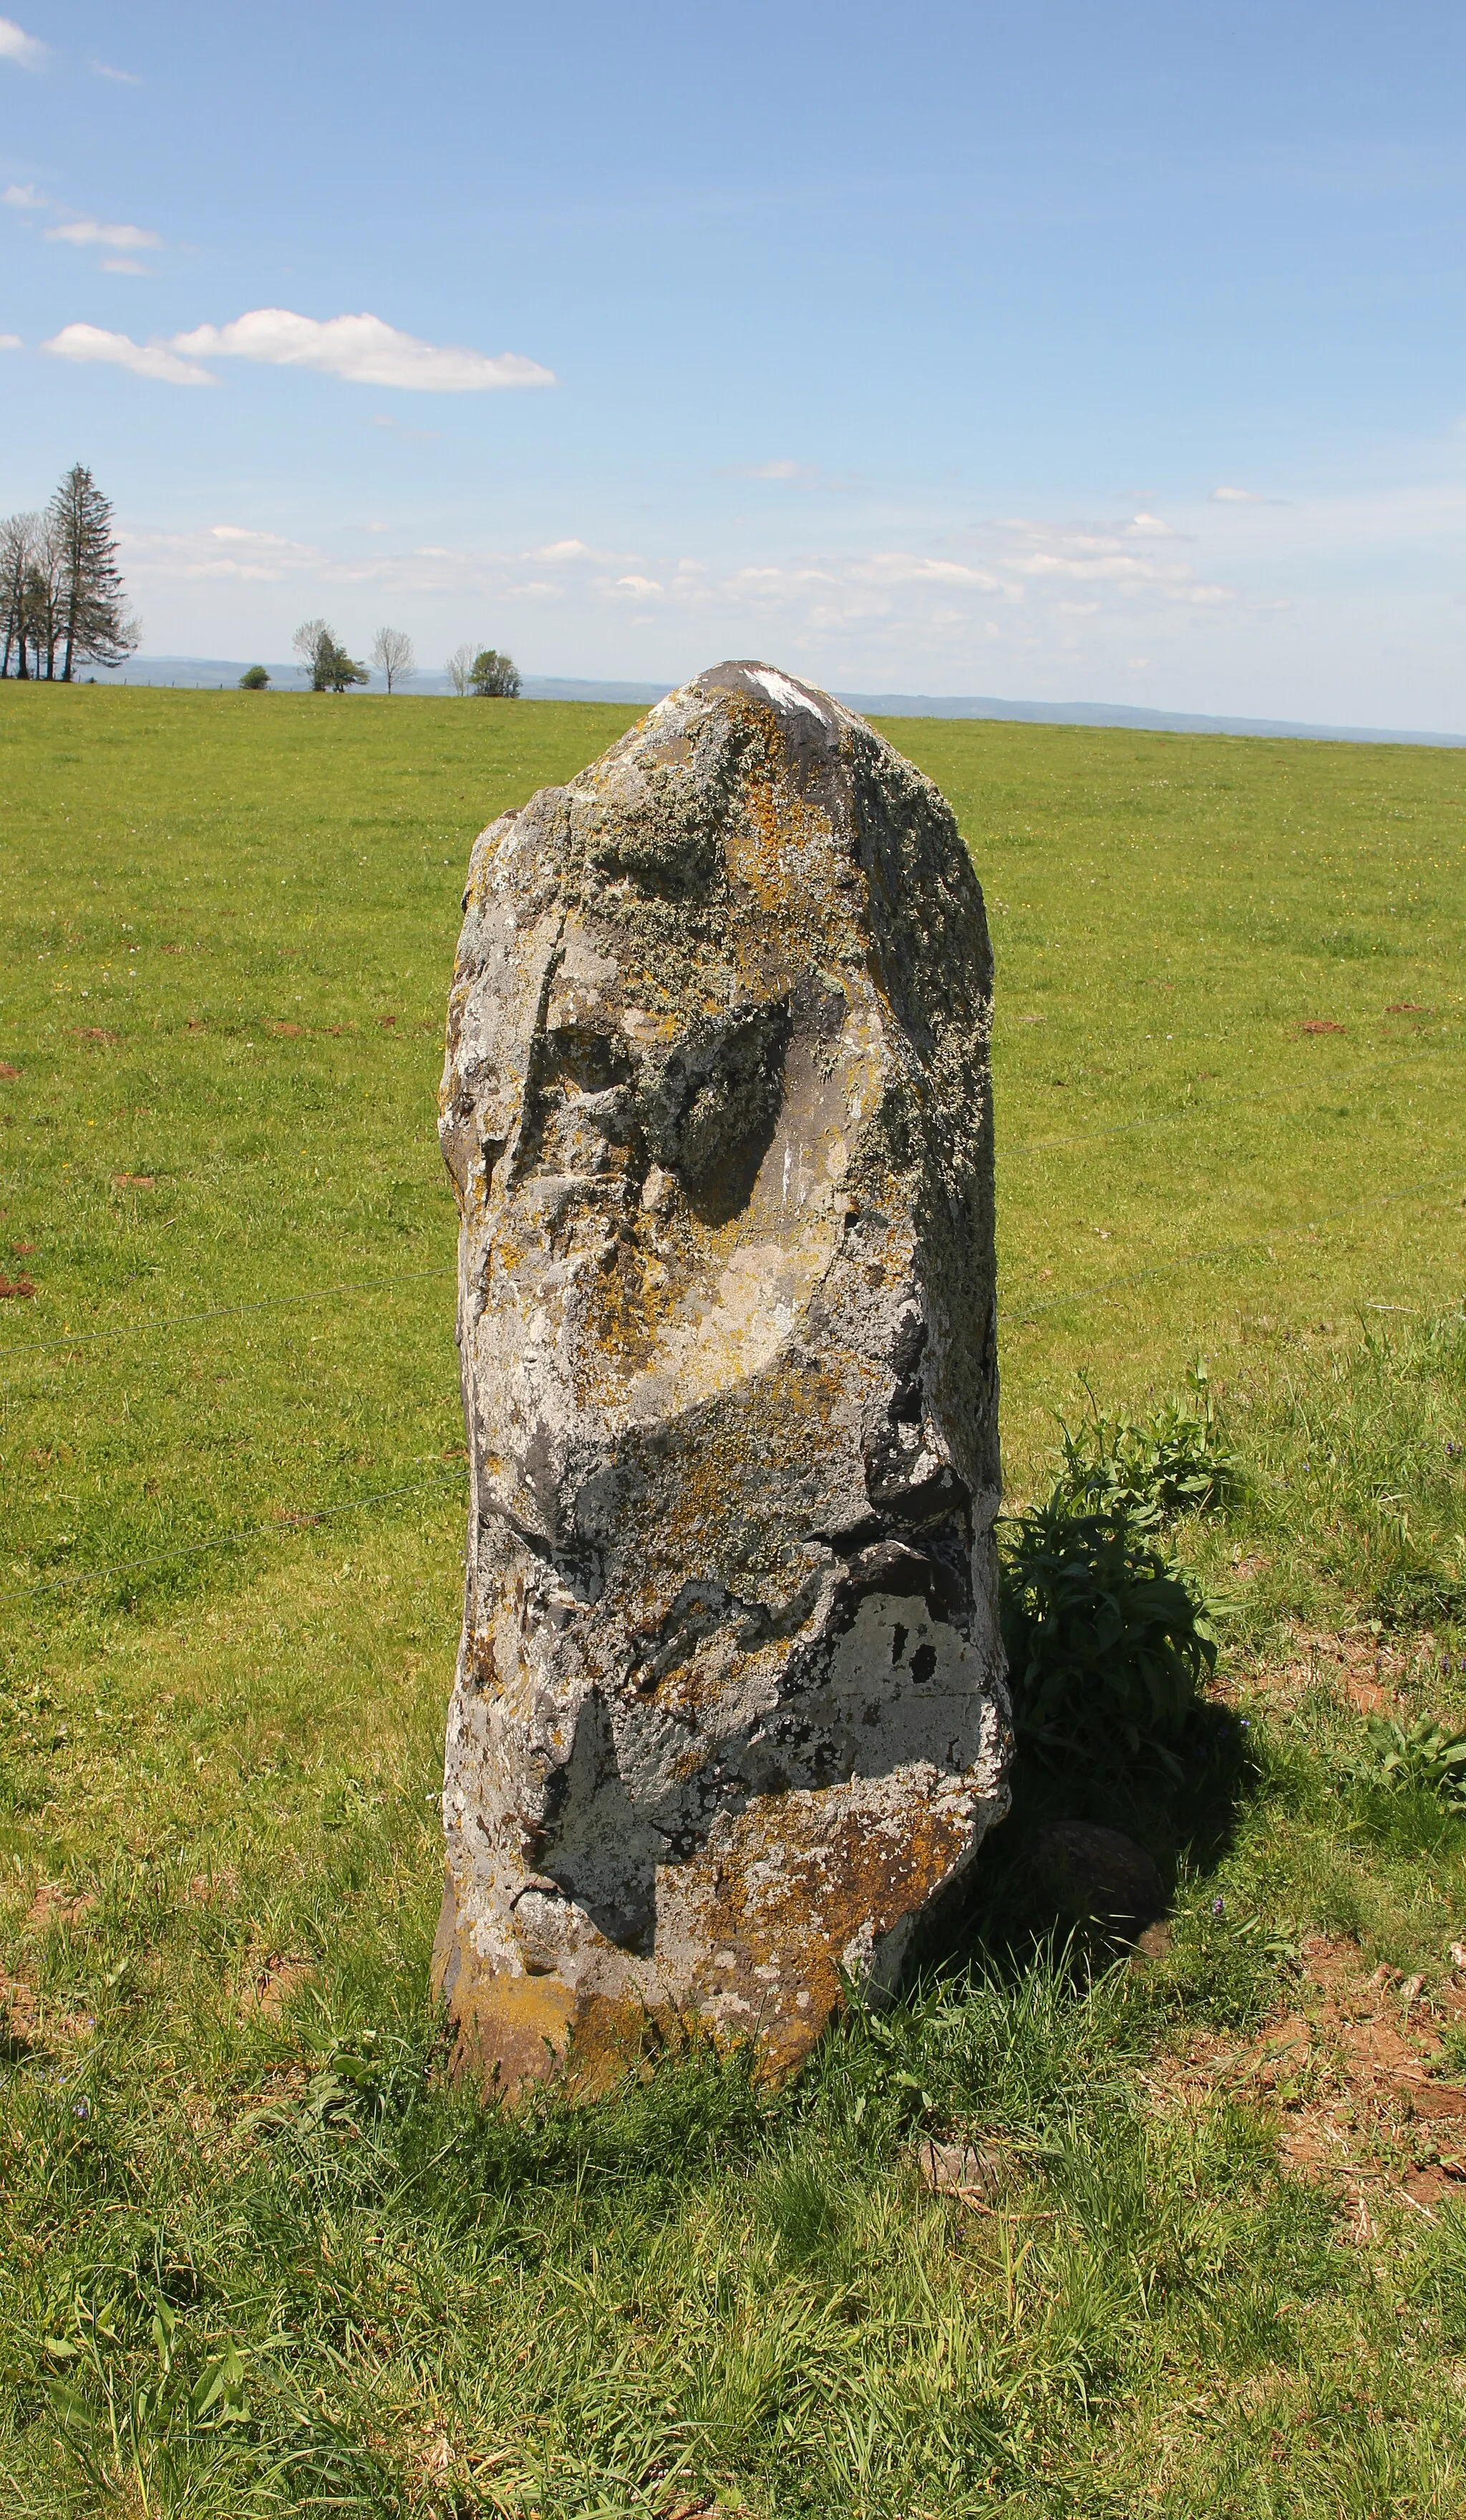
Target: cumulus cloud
<point x="1238" y="498"/>
<point x="154" y="359"/>
<point x="10" y="342"/>
<point x="782" y="469"/>
<point x="23" y="196"/>
<point x="124" y="263"/>
<point x="568" y="549"/>
<point x="26" y="51"/>
<point x="232" y="553"/>
<point x="640" y="585"/>
<point x="361" y="348"/>
<point x="911" y="568"/>
<point x="126" y="239"/>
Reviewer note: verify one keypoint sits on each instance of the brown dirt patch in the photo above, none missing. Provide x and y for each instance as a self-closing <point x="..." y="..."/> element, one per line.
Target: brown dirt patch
<point x="273" y="1979"/>
<point x="1373" y="1674"/>
<point x="11" y="1075"/>
<point x="134" y="1181"/>
<point x="95" y="1032"/>
<point x="287" y="1031"/>
<point x="16" y="1287"/>
<point x="1318" y="1023"/>
<point x="19" y="2014"/>
<point x="54" y="1905"/>
<point x="1352" y="2071"/>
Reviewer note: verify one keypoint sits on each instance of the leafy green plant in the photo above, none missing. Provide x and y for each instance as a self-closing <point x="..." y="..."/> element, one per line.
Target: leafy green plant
<point x="1108" y="1644"/>
<point x="1154" y="1470"/>
<point x="1430" y="1758"/>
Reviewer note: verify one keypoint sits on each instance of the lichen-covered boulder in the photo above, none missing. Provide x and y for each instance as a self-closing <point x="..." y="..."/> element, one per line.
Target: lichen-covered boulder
<point x="729" y="1708"/>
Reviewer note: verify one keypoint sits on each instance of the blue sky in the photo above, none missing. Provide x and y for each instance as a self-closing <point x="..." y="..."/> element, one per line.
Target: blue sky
<point x="1050" y="350"/>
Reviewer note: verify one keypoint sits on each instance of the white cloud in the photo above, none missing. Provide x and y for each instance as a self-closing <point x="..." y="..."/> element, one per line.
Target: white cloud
<point x="254" y="534"/>
<point x="399" y="429"/>
<point x="782" y="469"/>
<point x="10" y="342"/>
<point x="229" y="552"/>
<point x="125" y="78"/>
<point x="126" y="239"/>
<point x="154" y="359"/>
<point x="570" y="550"/>
<point x="361" y="348"/>
<point x="640" y="585"/>
<point x="1238" y="498"/>
<point x="17" y="46"/>
<point x="74" y="226"/>
<point x="909" y="568"/>
<point x="102" y="233"/>
<point x="1170" y="580"/>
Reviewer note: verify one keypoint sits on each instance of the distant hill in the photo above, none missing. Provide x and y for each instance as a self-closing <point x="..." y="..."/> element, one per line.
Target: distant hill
<point x="213" y="673"/>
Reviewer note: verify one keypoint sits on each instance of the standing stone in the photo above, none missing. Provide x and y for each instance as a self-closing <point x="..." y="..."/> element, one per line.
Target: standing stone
<point x="730" y="1707"/>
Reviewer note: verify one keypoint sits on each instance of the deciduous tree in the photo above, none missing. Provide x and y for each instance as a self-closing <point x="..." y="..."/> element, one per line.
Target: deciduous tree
<point x="19" y="536"/>
<point x="325" y="660"/>
<point x="494" y="677"/>
<point x="393" y="656"/>
<point x="458" y="668"/>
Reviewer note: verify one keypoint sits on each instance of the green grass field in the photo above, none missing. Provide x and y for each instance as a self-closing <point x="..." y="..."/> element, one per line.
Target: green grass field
<point x="229" y="1379"/>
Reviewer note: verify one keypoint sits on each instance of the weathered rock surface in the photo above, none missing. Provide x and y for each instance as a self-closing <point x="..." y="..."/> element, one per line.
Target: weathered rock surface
<point x="730" y="1707"/>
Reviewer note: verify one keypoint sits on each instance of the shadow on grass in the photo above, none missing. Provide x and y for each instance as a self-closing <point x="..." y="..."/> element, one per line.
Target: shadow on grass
<point x="1010" y="1908"/>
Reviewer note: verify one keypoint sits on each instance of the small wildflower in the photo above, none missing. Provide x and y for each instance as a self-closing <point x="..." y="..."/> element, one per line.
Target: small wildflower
<point x="1219" y="1907"/>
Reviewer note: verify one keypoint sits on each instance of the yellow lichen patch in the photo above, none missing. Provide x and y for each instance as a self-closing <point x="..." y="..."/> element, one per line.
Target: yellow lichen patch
<point x="700" y="1512"/>
<point x="781" y="849"/>
<point x="797" y="1891"/>
<point x="510" y="2030"/>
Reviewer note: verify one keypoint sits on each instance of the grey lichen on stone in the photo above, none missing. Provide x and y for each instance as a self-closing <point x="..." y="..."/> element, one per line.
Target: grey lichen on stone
<point x="729" y="1708"/>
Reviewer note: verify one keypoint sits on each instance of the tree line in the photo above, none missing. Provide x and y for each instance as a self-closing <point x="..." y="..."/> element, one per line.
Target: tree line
<point x="62" y="598"/>
<point x="488" y="673"/>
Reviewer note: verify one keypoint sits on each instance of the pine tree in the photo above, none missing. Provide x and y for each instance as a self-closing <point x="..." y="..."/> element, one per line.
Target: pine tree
<point x="93" y="627"/>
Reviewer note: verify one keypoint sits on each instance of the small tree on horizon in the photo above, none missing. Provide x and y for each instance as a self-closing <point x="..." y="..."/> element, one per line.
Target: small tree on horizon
<point x="393" y="656"/>
<point x="325" y="660"/>
<point x="494" y="677"/>
<point x="459" y="667"/>
<point x="255" y="678"/>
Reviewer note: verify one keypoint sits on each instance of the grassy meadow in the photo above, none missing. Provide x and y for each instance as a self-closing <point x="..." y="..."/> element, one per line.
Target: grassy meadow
<point x="253" y="2255"/>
